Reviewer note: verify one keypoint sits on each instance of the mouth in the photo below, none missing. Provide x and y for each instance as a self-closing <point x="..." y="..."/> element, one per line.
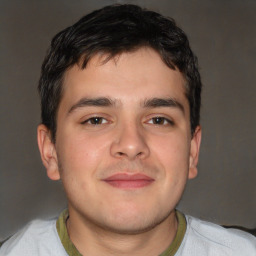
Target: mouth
<point x="129" y="181"/>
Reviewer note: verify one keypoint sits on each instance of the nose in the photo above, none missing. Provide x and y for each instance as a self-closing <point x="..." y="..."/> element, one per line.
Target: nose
<point x="130" y="143"/>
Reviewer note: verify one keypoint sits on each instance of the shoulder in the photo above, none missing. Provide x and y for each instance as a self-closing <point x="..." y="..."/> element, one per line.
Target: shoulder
<point x="212" y="237"/>
<point x="36" y="238"/>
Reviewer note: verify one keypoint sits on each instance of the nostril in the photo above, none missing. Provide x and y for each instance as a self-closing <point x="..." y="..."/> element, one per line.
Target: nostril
<point x="123" y="154"/>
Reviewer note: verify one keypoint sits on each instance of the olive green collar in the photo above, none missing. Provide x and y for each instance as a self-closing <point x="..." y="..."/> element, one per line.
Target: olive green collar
<point x="63" y="235"/>
<point x="174" y="246"/>
<point x="72" y="250"/>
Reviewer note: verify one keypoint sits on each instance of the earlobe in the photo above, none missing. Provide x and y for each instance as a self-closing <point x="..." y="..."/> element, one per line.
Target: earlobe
<point x="194" y="152"/>
<point x="48" y="152"/>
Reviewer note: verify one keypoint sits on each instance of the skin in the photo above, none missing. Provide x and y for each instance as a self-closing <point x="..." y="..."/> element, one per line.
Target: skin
<point x="126" y="133"/>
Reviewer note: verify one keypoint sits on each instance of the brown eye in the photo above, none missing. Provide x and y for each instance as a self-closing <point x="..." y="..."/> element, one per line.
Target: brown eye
<point x="95" y="121"/>
<point x="160" y="121"/>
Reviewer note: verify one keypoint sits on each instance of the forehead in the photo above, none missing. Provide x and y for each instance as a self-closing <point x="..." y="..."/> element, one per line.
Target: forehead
<point x="140" y="74"/>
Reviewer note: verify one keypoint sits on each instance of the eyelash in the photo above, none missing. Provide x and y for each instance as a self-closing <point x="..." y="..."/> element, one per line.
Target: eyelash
<point x="158" y="120"/>
<point x="163" y="121"/>
<point x="99" y="118"/>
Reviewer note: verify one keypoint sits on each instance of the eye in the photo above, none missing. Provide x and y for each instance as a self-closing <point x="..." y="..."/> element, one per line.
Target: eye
<point x="160" y="121"/>
<point x="95" y="121"/>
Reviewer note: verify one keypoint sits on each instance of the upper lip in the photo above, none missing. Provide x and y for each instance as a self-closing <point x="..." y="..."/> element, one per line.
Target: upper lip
<point x="128" y="177"/>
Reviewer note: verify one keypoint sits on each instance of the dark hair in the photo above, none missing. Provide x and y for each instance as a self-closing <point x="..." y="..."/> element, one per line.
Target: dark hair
<point x="113" y="30"/>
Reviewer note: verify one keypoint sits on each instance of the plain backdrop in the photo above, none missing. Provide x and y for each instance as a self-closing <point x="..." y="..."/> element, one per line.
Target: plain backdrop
<point x="222" y="33"/>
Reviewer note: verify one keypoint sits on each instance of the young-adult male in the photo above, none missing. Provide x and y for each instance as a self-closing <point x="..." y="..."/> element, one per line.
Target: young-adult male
<point x="120" y="97"/>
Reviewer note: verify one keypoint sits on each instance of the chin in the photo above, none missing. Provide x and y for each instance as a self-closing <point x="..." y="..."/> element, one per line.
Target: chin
<point x="134" y="223"/>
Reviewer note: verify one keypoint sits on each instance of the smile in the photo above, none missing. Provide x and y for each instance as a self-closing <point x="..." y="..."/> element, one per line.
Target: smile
<point x="128" y="181"/>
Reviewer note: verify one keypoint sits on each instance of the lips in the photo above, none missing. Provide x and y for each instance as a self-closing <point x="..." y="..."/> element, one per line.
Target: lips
<point x="129" y="181"/>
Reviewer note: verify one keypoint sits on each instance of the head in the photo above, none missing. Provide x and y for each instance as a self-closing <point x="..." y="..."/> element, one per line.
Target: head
<point x="111" y="31"/>
<point x="120" y="96"/>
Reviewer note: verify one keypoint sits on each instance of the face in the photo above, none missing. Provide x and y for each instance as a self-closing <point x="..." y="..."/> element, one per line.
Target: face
<point x="123" y="144"/>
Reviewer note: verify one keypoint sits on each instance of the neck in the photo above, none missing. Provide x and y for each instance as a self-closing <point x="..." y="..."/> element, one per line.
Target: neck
<point x="91" y="239"/>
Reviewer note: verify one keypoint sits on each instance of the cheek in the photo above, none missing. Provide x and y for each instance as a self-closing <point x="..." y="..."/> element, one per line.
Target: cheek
<point x="172" y="150"/>
<point x="81" y="154"/>
<point x="172" y="153"/>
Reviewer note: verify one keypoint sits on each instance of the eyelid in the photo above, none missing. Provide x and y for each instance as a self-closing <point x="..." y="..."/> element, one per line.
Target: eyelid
<point x="96" y="117"/>
<point x="86" y="119"/>
<point x="166" y="119"/>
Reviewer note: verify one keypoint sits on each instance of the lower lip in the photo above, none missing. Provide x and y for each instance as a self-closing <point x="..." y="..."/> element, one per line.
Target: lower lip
<point x="129" y="184"/>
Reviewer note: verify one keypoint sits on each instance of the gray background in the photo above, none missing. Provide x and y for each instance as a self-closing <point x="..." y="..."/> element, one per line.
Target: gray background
<point x="222" y="34"/>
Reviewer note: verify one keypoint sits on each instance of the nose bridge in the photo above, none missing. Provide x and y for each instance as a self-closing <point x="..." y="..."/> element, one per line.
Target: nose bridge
<point x="130" y="141"/>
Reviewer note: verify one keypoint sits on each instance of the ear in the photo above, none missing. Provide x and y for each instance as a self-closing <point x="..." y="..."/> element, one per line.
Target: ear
<point x="194" y="152"/>
<point x="48" y="152"/>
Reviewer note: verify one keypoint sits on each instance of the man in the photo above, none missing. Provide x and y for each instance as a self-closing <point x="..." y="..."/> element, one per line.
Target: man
<point x="120" y="97"/>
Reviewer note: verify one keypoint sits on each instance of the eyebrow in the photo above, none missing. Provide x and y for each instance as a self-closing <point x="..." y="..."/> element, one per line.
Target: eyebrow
<point x="98" y="102"/>
<point x="163" y="102"/>
<point x="108" y="102"/>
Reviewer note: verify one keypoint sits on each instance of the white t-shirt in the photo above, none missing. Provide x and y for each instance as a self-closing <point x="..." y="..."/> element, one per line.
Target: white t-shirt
<point x="205" y="238"/>
<point x="40" y="238"/>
